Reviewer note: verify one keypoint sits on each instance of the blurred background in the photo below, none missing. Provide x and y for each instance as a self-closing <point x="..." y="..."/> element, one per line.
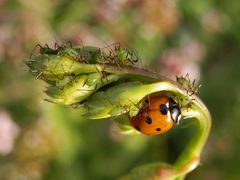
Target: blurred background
<point x="39" y="140"/>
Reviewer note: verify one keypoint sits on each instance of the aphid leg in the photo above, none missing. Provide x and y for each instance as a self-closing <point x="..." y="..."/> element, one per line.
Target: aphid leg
<point x="39" y="75"/>
<point x="104" y="75"/>
<point x="85" y="60"/>
<point x="56" y="46"/>
<point x="116" y="62"/>
<point x="193" y="83"/>
<point x="70" y="67"/>
<point x="58" y="61"/>
<point x="46" y="46"/>
<point x="117" y="46"/>
<point x="66" y="74"/>
<point x="135" y="105"/>
<point x="125" y="108"/>
<point x="95" y="88"/>
<point x="111" y="103"/>
<point x="198" y="87"/>
<point x="187" y="78"/>
<point x="133" y="57"/>
<point x="177" y="78"/>
<point x="34" y="49"/>
<point x="84" y="83"/>
<point x="111" y="54"/>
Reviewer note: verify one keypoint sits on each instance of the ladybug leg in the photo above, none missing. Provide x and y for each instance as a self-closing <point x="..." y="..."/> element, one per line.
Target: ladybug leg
<point x="146" y="102"/>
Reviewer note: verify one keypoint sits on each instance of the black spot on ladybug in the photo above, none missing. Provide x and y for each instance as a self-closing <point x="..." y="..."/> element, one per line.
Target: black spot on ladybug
<point x="163" y="109"/>
<point x="158" y="129"/>
<point x="148" y="120"/>
<point x="137" y="128"/>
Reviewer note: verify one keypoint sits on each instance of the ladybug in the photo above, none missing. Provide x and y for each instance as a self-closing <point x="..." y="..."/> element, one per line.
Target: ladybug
<point x="157" y="115"/>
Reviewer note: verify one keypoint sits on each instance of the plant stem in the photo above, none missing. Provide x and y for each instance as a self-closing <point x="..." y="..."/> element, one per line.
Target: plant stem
<point x="189" y="159"/>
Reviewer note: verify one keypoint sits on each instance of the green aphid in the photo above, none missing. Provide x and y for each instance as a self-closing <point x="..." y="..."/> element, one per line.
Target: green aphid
<point x="123" y="56"/>
<point x="89" y="54"/>
<point x="47" y="50"/>
<point x="68" y="52"/>
<point x="191" y="87"/>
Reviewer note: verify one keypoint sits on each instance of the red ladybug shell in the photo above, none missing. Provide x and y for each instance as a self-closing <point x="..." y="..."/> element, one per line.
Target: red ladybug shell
<point x="157" y="115"/>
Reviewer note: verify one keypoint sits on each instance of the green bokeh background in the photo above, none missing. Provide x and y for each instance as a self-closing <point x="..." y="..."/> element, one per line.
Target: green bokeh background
<point x="55" y="143"/>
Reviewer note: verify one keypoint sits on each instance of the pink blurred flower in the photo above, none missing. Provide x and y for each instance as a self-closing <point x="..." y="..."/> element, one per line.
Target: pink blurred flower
<point x="9" y="130"/>
<point x="178" y="62"/>
<point x="110" y="10"/>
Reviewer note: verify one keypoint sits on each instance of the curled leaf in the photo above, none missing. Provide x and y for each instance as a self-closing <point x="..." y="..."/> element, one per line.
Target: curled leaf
<point x="110" y="82"/>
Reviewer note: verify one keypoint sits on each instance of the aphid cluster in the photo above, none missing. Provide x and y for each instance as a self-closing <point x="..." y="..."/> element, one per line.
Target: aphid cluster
<point x="191" y="88"/>
<point x="114" y="54"/>
<point x="157" y="115"/>
<point x="185" y="81"/>
<point x="119" y="55"/>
